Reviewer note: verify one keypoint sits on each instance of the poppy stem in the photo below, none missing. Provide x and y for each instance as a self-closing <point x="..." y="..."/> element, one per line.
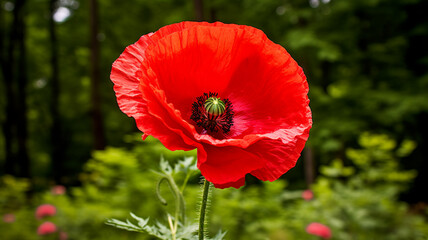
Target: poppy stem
<point x="203" y="209"/>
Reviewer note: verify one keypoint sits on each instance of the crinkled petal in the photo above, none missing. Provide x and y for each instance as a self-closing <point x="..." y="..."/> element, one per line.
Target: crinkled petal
<point x="267" y="159"/>
<point x="126" y="74"/>
<point x="279" y="157"/>
<point x="239" y="183"/>
<point x="226" y="166"/>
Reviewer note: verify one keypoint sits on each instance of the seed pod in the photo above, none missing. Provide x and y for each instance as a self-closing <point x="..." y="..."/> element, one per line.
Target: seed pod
<point x="214" y="106"/>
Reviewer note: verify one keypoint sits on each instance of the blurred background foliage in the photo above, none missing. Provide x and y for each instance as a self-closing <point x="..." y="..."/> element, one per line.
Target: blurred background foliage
<point x="365" y="160"/>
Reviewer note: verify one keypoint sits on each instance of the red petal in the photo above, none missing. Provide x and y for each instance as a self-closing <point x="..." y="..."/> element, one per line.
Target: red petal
<point x="267" y="159"/>
<point x="237" y="184"/>
<point x="126" y="75"/>
<point x="279" y="157"/>
<point x="227" y="166"/>
<point x="278" y="96"/>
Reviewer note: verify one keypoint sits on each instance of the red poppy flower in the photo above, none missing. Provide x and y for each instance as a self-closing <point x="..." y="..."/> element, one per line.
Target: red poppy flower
<point x="45" y="210"/>
<point x="46" y="228"/>
<point x="225" y="89"/>
<point x="319" y="229"/>
<point x="307" y="195"/>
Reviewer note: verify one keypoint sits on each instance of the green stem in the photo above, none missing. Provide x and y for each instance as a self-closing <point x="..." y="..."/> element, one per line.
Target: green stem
<point x="203" y="209"/>
<point x="180" y="208"/>
<point x="185" y="182"/>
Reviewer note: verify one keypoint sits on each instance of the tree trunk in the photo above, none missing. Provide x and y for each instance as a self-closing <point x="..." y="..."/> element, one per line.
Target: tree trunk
<point x="7" y="59"/>
<point x="97" y="120"/>
<point x="21" y="76"/>
<point x="56" y="151"/>
<point x="213" y="14"/>
<point x="199" y="10"/>
<point x="308" y="163"/>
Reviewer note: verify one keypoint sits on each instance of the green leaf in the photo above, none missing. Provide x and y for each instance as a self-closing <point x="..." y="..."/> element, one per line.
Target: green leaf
<point x="165" y="167"/>
<point x="220" y="235"/>
<point x="188" y="164"/>
<point x="141" y="222"/>
<point x="123" y="225"/>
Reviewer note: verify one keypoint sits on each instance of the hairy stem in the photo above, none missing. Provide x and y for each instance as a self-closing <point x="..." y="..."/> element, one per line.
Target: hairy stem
<point x="203" y="209"/>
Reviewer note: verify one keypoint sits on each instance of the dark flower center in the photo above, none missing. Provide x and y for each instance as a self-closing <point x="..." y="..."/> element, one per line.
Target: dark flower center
<point x="212" y="114"/>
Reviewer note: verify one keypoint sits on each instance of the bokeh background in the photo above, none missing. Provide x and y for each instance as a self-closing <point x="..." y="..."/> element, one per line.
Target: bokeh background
<point x="365" y="162"/>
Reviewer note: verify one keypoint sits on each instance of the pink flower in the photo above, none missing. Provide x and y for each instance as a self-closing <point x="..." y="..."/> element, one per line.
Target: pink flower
<point x="319" y="229"/>
<point x="307" y="195"/>
<point x="9" y="218"/>
<point x="46" y="228"/>
<point x="45" y="210"/>
<point x="58" y="190"/>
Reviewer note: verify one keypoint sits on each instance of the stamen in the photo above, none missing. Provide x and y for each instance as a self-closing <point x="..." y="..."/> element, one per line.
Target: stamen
<point x="212" y="114"/>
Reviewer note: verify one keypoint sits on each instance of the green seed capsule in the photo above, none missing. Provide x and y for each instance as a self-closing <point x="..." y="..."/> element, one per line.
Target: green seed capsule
<point x="214" y="106"/>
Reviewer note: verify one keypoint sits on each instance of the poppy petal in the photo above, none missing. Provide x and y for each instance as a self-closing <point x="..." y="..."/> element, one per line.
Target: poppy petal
<point x="126" y="75"/>
<point x="279" y="157"/>
<point x="267" y="159"/>
<point x="226" y="166"/>
<point x="237" y="184"/>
